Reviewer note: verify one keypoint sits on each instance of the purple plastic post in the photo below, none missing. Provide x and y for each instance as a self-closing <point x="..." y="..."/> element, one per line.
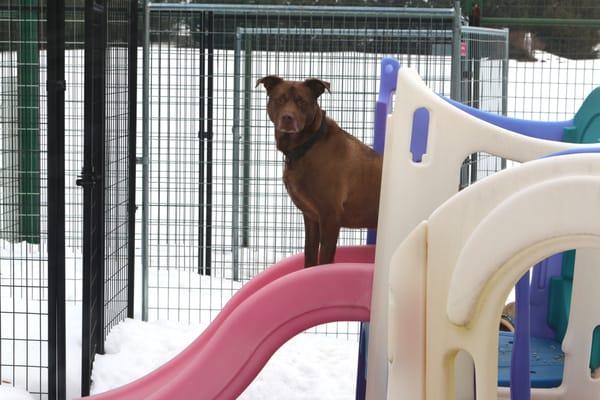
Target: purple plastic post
<point x="419" y="134"/>
<point x="520" y="381"/>
<point x="389" y="75"/>
<point x="383" y="106"/>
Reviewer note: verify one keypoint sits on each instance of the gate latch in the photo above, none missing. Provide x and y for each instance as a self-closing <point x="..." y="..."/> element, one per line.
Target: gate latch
<point x="86" y="179"/>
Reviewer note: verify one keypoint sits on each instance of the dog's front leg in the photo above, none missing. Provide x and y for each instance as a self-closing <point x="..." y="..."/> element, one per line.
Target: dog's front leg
<point x="311" y="242"/>
<point x="330" y="229"/>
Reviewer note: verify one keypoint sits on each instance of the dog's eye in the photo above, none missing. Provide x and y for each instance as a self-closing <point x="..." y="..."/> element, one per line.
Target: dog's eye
<point x="300" y="101"/>
<point x="281" y="100"/>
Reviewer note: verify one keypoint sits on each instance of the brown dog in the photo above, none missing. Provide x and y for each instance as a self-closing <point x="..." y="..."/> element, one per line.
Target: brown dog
<point x="332" y="177"/>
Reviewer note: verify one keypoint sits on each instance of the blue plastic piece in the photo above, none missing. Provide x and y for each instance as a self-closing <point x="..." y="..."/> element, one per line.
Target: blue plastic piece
<point x="576" y="150"/>
<point x="420" y="132"/>
<point x="521" y="384"/>
<point x="546" y="360"/>
<point x="537" y="129"/>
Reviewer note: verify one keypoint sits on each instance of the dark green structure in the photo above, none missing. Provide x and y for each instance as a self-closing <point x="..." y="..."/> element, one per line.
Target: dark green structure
<point x="28" y="71"/>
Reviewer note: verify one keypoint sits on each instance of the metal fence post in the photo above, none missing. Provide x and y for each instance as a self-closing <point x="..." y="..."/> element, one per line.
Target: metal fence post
<point x="210" y="108"/>
<point x="132" y="139"/>
<point x="456" y="43"/>
<point x="145" y="151"/>
<point x="505" y="64"/>
<point x="456" y="89"/>
<point x="246" y="141"/>
<point x="235" y="189"/>
<point x="56" y="201"/>
<point x="206" y="137"/>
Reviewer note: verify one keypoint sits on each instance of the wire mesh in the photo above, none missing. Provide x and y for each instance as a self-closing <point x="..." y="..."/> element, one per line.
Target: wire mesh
<point x="484" y="73"/>
<point x="105" y="176"/>
<point x="74" y="115"/>
<point x="116" y="168"/>
<point x="23" y="198"/>
<point x="552" y="84"/>
<point x="218" y="213"/>
<point x="553" y="54"/>
<point x="74" y="110"/>
<point x="23" y="262"/>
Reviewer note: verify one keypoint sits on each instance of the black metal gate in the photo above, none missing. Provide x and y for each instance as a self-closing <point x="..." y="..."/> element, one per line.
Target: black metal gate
<point x="32" y="200"/>
<point x="108" y="174"/>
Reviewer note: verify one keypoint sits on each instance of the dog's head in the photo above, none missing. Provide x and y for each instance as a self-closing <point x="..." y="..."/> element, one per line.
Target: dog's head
<point x="292" y="105"/>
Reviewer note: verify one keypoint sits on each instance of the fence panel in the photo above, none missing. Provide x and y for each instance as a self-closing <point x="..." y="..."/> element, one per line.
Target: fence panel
<point x="32" y="348"/>
<point x="217" y="212"/>
<point x="554" y="54"/>
<point x="108" y="173"/>
<point x="553" y="61"/>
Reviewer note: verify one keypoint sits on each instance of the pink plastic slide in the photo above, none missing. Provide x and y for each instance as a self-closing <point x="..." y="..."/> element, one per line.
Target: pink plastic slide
<point x="276" y="305"/>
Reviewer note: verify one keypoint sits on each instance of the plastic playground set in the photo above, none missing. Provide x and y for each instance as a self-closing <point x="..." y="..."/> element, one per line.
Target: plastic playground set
<point x="434" y="285"/>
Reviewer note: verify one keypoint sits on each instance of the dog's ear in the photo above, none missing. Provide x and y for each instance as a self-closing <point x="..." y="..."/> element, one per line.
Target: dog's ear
<point x="269" y="82"/>
<point x="317" y="86"/>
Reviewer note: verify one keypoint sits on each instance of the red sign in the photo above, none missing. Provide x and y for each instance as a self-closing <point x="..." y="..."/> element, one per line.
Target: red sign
<point x="463" y="49"/>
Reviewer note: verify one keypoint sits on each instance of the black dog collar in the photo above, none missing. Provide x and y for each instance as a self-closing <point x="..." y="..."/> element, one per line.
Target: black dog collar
<point x="297" y="152"/>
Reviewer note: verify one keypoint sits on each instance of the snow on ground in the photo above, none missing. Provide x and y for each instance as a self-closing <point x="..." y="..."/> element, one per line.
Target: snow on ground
<point x="8" y="392"/>
<point x="307" y="367"/>
<point x="73" y="349"/>
<point x="134" y="348"/>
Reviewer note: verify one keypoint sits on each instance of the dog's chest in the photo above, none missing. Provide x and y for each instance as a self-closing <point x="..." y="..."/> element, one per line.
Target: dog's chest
<point x="298" y="193"/>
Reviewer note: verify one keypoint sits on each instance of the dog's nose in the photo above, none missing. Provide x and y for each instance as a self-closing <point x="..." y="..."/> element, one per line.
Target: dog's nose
<point x="288" y="123"/>
<point x="287" y="118"/>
